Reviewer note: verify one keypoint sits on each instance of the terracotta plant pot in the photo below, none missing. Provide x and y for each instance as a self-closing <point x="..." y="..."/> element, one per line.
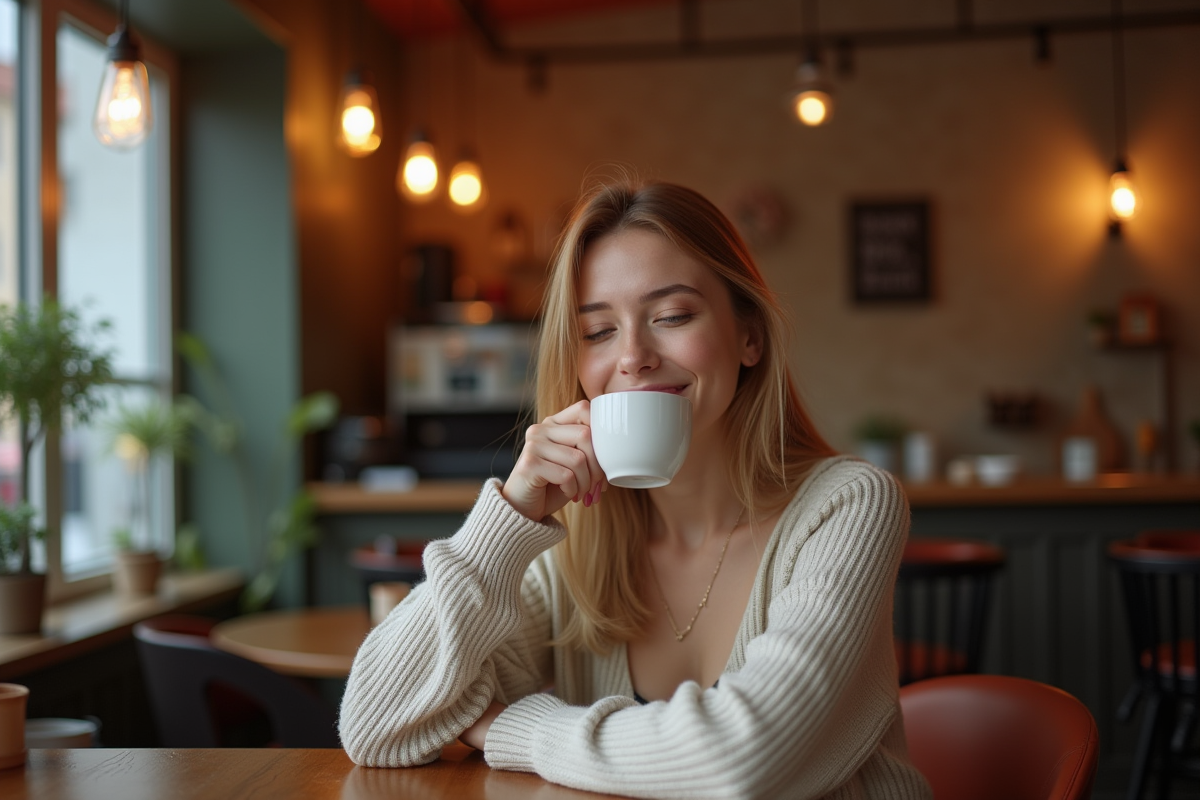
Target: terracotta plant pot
<point x="22" y="599"/>
<point x="136" y="573"/>
<point x="12" y="724"/>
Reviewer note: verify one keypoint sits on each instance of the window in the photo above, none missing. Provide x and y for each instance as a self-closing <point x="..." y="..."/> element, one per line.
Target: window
<point x="105" y="249"/>
<point x="10" y="451"/>
<point x="112" y="264"/>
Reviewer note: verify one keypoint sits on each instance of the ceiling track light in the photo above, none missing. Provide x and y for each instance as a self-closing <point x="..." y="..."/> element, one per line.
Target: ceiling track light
<point x="123" y="115"/>
<point x="812" y="100"/>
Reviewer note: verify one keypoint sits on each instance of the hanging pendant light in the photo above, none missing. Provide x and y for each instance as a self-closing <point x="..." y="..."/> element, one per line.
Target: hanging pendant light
<point x="812" y="101"/>
<point x="418" y="176"/>
<point x="361" y="129"/>
<point x="123" y="115"/>
<point x="466" y="188"/>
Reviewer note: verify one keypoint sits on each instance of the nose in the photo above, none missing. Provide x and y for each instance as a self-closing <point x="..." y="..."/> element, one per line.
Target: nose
<point x="637" y="353"/>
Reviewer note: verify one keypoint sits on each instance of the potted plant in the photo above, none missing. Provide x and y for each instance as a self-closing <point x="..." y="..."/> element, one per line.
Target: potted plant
<point x="48" y="371"/>
<point x="1102" y="326"/>
<point x="142" y="434"/>
<point x="21" y="592"/>
<point x="878" y="438"/>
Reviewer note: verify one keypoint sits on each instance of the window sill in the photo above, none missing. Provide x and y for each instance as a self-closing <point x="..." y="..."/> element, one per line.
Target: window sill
<point x="81" y="625"/>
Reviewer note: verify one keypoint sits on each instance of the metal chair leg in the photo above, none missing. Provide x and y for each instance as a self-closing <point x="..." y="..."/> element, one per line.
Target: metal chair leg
<point x="1144" y="754"/>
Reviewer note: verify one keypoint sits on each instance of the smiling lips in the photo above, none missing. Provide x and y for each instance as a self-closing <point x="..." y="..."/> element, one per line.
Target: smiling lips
<point x="666" y="389"/>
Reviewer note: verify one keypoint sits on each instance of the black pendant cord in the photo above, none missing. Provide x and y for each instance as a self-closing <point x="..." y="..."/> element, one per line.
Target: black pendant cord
<point x="1118" y="59"/>
<point x="125" y="13"/>
<point x="809" y="27"/>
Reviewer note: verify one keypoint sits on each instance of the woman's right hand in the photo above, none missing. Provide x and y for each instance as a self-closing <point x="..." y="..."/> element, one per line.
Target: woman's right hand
<point x="557" y="465"/>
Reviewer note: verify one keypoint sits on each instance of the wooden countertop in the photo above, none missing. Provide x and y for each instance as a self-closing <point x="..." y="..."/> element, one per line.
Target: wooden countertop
<point x="1115" y="488"/>
<point x="79" y="626"/>
<point x="269" y="773"/>
<point x="1109" y="489"/>
<point x="428" y="496"/>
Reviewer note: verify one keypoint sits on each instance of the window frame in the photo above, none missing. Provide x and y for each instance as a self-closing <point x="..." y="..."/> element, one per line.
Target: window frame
<point x="39" y="201"/>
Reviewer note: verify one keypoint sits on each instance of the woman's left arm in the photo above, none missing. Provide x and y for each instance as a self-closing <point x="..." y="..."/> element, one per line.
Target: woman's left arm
<point x="816" y="695"/>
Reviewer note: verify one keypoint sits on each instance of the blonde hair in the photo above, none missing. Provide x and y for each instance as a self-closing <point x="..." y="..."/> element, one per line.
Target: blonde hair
<point x="603" y="558"/>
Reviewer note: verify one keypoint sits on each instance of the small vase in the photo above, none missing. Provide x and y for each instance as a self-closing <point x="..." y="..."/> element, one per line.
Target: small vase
<point x="12" y="724"/>
<point x="136" y="573"/>
<point x="22" y="599"/>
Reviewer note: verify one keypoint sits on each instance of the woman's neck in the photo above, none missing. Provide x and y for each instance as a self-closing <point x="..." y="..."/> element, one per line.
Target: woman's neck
<point x="700" y="501"/>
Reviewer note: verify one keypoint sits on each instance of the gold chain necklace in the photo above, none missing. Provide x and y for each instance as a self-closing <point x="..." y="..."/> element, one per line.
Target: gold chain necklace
<point x="681" y="634"/>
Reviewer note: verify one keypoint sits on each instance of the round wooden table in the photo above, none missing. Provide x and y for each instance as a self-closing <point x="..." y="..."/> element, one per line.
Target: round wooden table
<point x="306" y="642"/>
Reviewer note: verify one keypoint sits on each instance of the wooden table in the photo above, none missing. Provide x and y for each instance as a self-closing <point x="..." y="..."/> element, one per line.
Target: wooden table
<point x="306" y="642"/>
<point x="264" y="774"/>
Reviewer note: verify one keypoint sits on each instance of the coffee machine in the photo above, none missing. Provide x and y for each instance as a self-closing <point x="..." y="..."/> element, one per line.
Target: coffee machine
<point x="460" y="394"/>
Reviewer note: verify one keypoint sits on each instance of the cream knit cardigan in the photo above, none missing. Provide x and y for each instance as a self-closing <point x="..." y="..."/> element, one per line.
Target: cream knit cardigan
<point x="807" y="706"/>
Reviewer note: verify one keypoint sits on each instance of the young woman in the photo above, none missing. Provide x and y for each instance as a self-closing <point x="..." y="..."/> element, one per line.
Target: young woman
<point x="726" y="635"/>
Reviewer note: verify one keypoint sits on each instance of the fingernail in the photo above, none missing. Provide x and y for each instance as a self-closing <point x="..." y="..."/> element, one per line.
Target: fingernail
<point x="587" y="500"/>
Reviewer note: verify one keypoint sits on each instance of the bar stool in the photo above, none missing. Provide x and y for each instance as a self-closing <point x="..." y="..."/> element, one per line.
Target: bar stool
<point x="1160" y="581"/>
<point x="941" y="608"/>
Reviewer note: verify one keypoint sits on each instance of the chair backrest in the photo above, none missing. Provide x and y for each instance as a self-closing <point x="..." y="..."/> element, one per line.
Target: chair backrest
<point x="1160" y="581"/>
<point x="941" y="606"/>
<point x="992" y="737"/>
<point x="181" y="668"/>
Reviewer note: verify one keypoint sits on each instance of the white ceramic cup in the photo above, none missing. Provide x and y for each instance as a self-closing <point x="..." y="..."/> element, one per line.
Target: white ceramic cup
<point x="641" y="438"/>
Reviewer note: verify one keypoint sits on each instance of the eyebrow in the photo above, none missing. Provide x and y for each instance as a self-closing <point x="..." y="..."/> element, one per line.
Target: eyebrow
<point x="657" y="294"/>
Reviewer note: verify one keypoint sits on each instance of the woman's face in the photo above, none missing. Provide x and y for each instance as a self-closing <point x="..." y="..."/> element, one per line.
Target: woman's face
<point x="653" y="318"/>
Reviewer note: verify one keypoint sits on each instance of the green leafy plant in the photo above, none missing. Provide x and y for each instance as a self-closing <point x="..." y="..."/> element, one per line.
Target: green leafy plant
<point x="17" y="530"/>
<point x="48" y="370"/>
<point x="142" y="433"/>
<point x="279" y="519"/>
<point x="880" y="428"/>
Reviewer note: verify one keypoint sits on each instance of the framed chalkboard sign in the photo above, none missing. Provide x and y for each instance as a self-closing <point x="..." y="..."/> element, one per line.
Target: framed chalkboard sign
<point x="889" y="251"/>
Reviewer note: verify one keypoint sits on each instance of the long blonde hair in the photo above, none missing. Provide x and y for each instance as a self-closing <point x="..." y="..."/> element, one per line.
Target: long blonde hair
<point x="603" y="558"/>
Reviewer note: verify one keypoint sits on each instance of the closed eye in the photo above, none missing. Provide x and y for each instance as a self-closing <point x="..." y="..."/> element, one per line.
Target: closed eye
<point x="596" y="336"/>
<point x="675" y="319"/>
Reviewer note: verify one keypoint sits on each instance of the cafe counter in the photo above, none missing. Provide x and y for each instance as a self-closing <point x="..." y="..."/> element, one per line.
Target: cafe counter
<point x="1108" y="489"/>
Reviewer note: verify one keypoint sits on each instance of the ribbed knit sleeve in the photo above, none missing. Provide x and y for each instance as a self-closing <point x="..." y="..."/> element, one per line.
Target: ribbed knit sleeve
<point x="815" y="699"/>
<point x="474" y="630"/>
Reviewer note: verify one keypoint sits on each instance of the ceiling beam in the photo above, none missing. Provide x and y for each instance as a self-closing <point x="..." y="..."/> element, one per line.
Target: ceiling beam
<point x="691" y="46"/>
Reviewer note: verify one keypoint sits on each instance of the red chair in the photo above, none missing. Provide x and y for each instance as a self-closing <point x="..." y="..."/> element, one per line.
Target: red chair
<point x="942" y="595"/>
<point x="992" y="737"/>
<point x="1160" y="581"/>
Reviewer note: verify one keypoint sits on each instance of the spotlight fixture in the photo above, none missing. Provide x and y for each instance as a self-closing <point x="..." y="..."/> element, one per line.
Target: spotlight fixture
<point x="418" y="175"/>
<point x="361" y="128"/>
<point x="812" y="101"/>
<point x="123" y="116"/>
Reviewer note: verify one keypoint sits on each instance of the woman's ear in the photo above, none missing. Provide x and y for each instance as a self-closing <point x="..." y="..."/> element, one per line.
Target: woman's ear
<point x="752" y="345"/>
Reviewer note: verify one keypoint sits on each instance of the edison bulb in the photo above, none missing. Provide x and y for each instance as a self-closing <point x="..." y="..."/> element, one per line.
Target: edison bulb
<point x="466" y="185"/>
<point x="1123" y="200"/>
<point x="813" y="107"/>
<point x="361" y="128"/>
<point x="123" y="119"/>
<point x="419" y="173"/>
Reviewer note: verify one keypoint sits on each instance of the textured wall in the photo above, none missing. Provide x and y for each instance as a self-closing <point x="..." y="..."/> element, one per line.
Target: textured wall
<point x="1013" y="155"/>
